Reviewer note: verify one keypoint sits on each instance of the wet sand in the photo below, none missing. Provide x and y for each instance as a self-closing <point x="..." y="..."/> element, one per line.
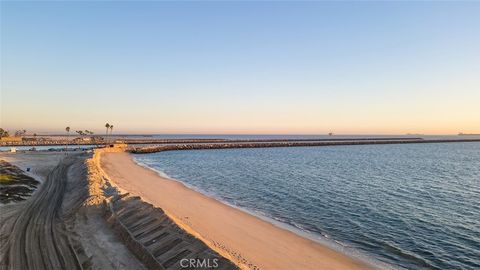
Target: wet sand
<point x="250" y="242"/>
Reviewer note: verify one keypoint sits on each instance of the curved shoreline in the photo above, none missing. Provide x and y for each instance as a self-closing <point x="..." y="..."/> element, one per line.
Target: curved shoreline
<point x="315" y="237"/>
<point x="245" y="238"/>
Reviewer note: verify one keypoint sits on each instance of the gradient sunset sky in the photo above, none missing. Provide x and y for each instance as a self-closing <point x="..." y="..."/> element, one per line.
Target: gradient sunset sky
<point x="241" y="67"/>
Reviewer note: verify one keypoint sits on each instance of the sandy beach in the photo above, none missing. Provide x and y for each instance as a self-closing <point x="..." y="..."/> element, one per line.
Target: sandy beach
<point x="245" y="239"/>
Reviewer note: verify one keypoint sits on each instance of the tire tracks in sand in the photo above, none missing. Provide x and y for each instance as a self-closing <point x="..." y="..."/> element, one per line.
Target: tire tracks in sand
<point x="38" y="237"/>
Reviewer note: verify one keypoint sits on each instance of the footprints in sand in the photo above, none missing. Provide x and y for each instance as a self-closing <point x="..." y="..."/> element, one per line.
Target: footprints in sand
<point x="236" y="256"/>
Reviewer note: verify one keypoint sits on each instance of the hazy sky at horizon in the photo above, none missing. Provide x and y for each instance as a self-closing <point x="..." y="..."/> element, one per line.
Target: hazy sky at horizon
<point x="231" y="67"/>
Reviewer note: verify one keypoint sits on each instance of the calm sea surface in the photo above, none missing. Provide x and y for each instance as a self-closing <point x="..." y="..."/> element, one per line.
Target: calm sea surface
<point x="414" y="206"/>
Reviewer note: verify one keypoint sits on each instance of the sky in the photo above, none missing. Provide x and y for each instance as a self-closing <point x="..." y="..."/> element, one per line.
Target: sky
<point x="241" y="67"/>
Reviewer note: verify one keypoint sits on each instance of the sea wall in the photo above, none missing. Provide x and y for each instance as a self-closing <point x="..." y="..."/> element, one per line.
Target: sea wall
<point x="228" y="145"/>
<point x="101" y="141"/>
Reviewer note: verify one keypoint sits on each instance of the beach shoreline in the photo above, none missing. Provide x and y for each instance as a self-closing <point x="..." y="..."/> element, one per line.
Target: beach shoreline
<point x="321" y="239"/>
<point x="248" y="240"/>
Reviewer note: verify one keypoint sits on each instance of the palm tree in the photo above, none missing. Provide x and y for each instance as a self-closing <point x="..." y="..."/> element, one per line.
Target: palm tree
<point x="107" y="125"/>
<point x="68" y="136"/>
<point x="111" y="130"/>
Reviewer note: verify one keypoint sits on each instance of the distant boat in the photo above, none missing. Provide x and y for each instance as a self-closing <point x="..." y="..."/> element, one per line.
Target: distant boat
<point x="330" y="134"/>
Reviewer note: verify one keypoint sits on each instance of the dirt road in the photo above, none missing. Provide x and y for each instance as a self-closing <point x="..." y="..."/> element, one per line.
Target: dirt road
<point x="34" y="235"/>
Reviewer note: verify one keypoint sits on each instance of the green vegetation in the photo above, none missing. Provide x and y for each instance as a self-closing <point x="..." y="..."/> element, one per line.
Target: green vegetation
<point x="15" y="185"/>
<point x="3" y="133"/>
<point x="5" y="178"/>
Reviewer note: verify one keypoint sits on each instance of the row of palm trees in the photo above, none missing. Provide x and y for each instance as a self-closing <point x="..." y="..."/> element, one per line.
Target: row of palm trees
<point x="108" y="126"/>
<point x="88" y="132"/>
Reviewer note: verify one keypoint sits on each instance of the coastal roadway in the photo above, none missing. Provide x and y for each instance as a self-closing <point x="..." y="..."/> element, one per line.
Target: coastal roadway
<point x="37" y="237"/>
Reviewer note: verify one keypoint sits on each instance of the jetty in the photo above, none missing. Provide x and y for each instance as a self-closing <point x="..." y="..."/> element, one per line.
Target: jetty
<point x="283" y="143"/>
<point x="98" y="140"/>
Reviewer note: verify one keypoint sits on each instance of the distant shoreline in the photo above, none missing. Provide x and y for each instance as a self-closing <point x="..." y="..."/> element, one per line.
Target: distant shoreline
<point x="468" y="134"/>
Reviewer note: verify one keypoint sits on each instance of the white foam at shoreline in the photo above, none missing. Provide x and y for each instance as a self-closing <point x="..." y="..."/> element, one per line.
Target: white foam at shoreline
<point x="324" y="240"/>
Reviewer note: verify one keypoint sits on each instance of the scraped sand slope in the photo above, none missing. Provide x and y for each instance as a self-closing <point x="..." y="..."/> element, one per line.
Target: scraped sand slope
<point x="54" y="229"/>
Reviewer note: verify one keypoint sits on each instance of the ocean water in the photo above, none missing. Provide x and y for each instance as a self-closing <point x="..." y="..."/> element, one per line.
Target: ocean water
<point x="414" y="206"/>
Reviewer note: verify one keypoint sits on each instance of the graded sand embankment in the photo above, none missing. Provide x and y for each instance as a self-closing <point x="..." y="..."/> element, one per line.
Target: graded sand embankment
<point x="55" y="228"/>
